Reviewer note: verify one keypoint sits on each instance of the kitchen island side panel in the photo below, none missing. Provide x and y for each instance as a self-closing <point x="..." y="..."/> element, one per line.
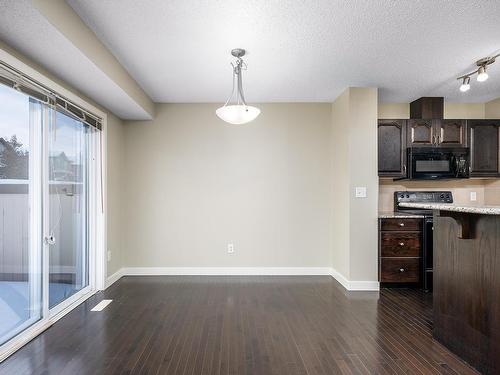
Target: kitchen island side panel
<point x="467" y="287"/>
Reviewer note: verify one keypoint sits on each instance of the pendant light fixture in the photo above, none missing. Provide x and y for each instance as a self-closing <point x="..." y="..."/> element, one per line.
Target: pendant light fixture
<point x="239" y="112"/>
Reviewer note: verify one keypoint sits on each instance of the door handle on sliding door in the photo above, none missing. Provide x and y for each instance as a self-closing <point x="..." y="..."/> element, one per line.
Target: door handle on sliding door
<point x="49" y="240"/>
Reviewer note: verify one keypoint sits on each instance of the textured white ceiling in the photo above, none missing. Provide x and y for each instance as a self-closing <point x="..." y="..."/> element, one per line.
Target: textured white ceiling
<point x="309" y="50"/>
<point x="178" y="50"/>
<point x="25" y="29"/>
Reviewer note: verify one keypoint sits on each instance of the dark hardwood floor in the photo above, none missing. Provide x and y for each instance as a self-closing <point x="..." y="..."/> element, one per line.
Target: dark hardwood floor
<point x="241" y="325"/>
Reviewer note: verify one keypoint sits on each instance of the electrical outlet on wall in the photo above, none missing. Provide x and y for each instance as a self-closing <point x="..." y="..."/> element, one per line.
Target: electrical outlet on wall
<point x="473" y="196"/>
<point x="230" y="248"/>
<point x="360" y="192"/>
<point x="109" y="255"/>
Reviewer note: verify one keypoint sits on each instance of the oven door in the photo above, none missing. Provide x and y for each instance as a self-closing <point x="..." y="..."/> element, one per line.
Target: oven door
<point x="431" y="165"/>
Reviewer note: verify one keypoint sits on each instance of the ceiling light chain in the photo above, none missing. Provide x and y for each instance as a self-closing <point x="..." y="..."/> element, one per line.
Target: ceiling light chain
<point x="482" y="75"/>
<point x="241" y="112"/>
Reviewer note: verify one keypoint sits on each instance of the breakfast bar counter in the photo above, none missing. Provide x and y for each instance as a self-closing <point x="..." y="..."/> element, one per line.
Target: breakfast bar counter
<point x="467" y="282"/>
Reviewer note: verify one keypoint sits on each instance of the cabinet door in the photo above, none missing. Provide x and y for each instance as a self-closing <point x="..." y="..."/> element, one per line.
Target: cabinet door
<point x="451" y="133"/>
<point x="484" y="148"/>
<point x="391" y="148"/>
<point x="421" y="133"/>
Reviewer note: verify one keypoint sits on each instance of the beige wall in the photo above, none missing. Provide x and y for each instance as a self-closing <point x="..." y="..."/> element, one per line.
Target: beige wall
<point x="195" y="184"/>
<point x="115" y="194"/>
<point x="492" y="109"/>
<point x="339" y="149"/>
<point x="464" y="110"/>
<point x="451" y="110"/>
<point x="354" y="161"/>
<point x="393" y="110"/>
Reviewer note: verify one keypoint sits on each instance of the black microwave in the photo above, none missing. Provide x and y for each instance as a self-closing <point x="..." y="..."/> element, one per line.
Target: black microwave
<point x="433" y="163"/>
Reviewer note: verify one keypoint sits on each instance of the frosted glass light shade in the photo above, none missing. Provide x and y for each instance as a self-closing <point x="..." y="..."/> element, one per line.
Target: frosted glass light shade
<point x="481" y="77"/>
<point x="237" y="114"/>
<point x="481" y="74"/>
<point x="465" y="87"/>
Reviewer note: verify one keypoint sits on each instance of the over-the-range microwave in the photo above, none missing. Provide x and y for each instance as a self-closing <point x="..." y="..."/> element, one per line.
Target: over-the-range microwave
<point x="433" y="163"/>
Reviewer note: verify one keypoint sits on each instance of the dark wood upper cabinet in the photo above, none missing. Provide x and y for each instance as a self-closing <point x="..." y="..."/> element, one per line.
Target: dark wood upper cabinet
<point x="484" y="148"/>
<point x="391" y="148"/>
<point x="451" y="133"/>
<point x="427" y="108"/>
<point x="437" y="133"/>
<point x="421" y="133"/>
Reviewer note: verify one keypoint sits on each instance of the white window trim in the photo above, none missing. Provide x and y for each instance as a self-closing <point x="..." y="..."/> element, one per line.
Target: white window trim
<point x="98" y="281"/>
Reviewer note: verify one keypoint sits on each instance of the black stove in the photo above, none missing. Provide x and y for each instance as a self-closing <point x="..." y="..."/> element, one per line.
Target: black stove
<point x="420" y="197"/>
<point x="427" y="237"/>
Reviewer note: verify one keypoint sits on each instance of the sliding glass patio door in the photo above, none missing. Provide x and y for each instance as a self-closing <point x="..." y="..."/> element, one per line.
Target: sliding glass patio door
<point x="67" y="207"/>
<point x="21" y="275"/>
<point x="48" y="200"/>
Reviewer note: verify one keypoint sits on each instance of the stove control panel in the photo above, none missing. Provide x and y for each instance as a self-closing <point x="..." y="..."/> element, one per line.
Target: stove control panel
<point x="422" y="197"/>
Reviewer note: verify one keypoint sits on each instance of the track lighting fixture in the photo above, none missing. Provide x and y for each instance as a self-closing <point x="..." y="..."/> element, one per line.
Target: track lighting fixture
<point x="465" y="84"/>
<point x="480" y="71"/>
<point x="240" y="112"/>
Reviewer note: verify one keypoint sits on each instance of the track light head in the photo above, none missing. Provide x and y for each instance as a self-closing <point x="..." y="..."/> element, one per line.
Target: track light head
<point x="481" y="74"/>
<point x="465" y="84"/>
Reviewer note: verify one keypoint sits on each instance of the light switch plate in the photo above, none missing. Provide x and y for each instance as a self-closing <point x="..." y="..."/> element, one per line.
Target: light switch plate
<point x="360" y="191"/>
<point x="473" y="196"/>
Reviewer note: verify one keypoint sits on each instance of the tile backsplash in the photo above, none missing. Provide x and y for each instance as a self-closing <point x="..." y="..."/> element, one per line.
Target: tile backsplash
<point x="492" y="193"/>
<point x="487" y="191"/>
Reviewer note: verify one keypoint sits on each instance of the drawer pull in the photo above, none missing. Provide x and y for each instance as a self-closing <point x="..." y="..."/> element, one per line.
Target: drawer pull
<point x="401" y="244"/>
<point x="401" y="270"/>
<point x="401" y="224"/>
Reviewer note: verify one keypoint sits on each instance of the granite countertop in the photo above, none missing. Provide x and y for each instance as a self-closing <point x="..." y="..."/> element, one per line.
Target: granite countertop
<point x="399" y="215"/>
<point x="485" y="210"/>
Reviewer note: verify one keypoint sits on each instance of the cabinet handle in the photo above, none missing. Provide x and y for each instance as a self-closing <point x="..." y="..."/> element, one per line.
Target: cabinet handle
<point x="401" y="270"/>
<point x="401" y="224"/>
<point x="404" y="170"/>
<point x="401" y="244"/>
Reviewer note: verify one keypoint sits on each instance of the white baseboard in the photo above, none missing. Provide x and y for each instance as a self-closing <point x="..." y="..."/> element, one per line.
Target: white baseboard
<point x="235" y="271"/>
<point x="226" y="271"/>
<point x="114" y="277"/>
<point x="352" y="285"/>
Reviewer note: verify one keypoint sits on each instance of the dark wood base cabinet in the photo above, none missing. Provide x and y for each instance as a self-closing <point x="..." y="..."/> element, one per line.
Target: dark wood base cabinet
<point x="467" y="287"/>
<point x="400" y="251"/>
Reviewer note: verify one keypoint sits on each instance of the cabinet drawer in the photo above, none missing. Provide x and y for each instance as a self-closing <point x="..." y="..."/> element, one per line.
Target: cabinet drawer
<point x="399" y="270"/>
<point x="401" y="224"/>
<point x="399" y="244"/>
